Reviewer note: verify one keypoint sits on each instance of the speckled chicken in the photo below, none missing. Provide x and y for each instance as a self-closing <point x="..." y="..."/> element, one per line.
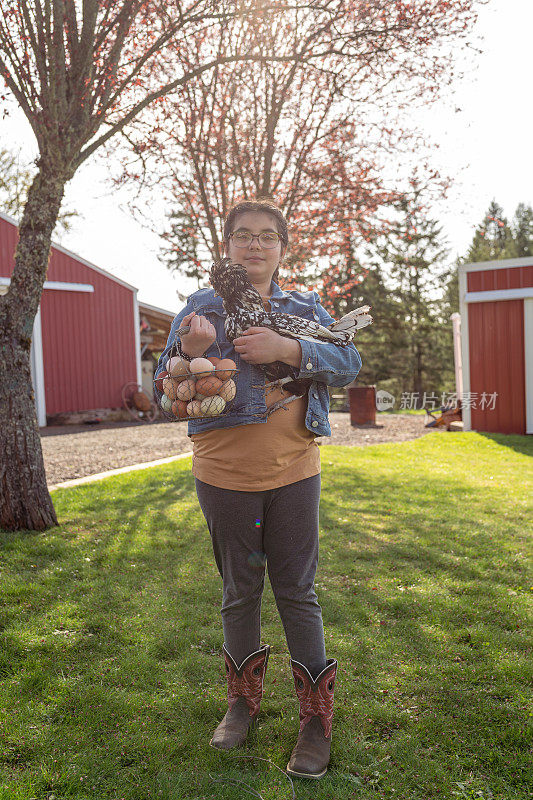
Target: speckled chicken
<point x="244" y="308"/>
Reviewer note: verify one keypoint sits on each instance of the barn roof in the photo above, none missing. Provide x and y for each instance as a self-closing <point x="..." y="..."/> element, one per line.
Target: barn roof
<point x="157" y="309"/>
<point x="81" y="260"/>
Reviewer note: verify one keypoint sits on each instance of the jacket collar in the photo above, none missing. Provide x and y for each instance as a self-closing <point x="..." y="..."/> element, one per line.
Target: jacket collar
<point x="209" y="299"/>
<point x="276" y="292"/>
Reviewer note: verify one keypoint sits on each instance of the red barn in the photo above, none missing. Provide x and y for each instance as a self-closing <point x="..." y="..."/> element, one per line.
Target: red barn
<point x="86" y="335"/>
<point x="496" y="306"/>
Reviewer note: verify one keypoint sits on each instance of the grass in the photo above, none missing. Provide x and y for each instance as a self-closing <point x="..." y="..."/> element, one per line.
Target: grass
<point x="110" y="657"/>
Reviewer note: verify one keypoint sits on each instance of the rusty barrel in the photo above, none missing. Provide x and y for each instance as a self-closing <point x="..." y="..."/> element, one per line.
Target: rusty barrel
<point x="362" y="405"/>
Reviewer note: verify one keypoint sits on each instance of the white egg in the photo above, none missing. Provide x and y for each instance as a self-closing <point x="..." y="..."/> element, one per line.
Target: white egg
<point x="212" y="406"/>
<point x="165" y="403"/>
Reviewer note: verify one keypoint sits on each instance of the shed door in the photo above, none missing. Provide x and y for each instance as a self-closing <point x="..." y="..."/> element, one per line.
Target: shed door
<point x="496" y="349"/>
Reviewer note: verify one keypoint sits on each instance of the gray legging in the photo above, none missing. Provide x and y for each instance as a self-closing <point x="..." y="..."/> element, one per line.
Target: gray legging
<point x="279" y="527"/>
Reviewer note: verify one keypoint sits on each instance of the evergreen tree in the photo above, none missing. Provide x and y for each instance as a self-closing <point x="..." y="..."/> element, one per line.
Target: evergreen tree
<point x="182" y="253"/>
<point x="413" y="254"/>
<point x="522" y="227"/>
<point x="450" y="292"/>
<point x="493" y="238"/>
<point x="355" y="285"/>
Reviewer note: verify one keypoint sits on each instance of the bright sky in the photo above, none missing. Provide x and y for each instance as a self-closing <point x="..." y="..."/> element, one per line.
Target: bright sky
<point x="486" y="145"/>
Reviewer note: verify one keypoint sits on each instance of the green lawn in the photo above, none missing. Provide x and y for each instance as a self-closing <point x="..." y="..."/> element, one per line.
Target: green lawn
<point x="110" y="659"/>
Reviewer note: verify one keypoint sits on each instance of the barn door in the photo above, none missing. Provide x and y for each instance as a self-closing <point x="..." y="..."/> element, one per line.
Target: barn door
<point x="497" y="366"/>
<point x="528" y="360"/>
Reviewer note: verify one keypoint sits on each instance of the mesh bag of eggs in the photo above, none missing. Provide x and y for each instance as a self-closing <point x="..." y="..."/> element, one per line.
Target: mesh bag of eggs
<point x="203" y="387"/>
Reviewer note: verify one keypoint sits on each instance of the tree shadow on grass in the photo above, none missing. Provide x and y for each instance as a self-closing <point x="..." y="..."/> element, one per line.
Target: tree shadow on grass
<point x="520" y="444"/>
<point x="142" y="647"/>
<point x="400" y="579"/>
<point x="111" y="551"/>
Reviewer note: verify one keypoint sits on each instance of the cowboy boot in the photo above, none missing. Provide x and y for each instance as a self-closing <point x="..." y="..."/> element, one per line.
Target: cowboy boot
<point x="245" y="690"/>
<point x="310" y="756"/>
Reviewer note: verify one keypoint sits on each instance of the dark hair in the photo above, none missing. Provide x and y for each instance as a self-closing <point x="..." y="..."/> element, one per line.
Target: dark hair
<point x="268" y="207"/>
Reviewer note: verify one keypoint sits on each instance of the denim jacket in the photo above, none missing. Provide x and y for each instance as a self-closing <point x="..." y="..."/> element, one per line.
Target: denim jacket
<point x="326" y="364"/>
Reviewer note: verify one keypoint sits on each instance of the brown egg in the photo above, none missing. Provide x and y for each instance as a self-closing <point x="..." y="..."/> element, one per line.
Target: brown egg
<point x="194" y="408"/>
<point x="208" y="385"/>
<point x="228" y="390"/>
<point x="186" y="389"/>
<point x="170" y="388"/>
<point x="215" y="360"/>
<point x="224" y="369"/>
<point x="159" y="380"/>
<point x="177" y="367"/>
<point x="179" y="408"/>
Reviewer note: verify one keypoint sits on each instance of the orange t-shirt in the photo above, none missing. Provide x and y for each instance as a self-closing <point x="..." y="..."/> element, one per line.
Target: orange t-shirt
<point x="262" y="455"/>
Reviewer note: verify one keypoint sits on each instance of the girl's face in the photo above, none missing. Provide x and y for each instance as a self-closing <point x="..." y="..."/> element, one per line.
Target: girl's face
<point x="260" y="262"/>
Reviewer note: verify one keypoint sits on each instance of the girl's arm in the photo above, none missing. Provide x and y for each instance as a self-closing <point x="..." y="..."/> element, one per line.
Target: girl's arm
<point x="176" y="322"/>
<point x="328" y="363"/>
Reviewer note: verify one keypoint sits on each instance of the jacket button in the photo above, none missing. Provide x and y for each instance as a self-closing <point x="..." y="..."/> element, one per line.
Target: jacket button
<point x="316" y="316"/>
<point x="315" y="395"/>
<point x="314" y="424"/>
<point x="309" y="365"/>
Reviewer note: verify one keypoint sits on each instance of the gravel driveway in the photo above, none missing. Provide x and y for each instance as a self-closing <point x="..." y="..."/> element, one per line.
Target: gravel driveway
<point x="74" y="451"/>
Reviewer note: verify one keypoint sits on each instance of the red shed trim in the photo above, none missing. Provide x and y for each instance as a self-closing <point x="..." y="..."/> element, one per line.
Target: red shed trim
<point x="506" y="287"/>
<point x="58" y="285"/>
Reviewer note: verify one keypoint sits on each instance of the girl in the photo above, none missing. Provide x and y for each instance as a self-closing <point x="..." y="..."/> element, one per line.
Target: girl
<point x="257" y="478"/>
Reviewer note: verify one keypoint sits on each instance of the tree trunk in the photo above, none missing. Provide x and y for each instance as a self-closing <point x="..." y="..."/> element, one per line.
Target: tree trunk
<point x="418" y="381"/>
<point x="25" y="502"/>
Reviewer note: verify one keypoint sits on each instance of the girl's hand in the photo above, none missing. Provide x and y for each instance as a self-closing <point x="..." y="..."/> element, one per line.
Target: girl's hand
<point x="201" y="335"/>
<point x="260" y="346"/>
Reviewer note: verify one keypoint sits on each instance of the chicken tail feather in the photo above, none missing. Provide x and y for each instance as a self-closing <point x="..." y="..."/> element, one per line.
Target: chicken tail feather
<point x="353" y="321"/>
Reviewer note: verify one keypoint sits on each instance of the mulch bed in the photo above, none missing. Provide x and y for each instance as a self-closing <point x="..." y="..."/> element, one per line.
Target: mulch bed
<point x="74" y="451"/>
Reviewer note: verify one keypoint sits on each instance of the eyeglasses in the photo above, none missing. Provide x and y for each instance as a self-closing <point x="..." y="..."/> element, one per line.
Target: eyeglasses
<point x="266" y="239"/>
